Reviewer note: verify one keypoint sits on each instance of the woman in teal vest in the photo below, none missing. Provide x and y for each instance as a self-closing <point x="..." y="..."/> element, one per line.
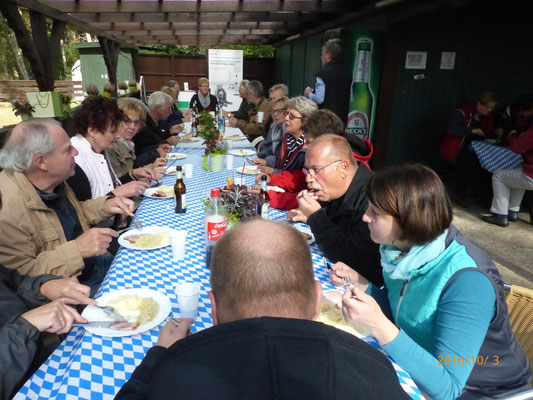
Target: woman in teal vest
<point x="441" y="314"/>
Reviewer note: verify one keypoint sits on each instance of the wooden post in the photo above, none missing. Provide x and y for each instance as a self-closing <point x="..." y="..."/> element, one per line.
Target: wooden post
<point x="40" y="50"/>
<point x="110" y="51"/>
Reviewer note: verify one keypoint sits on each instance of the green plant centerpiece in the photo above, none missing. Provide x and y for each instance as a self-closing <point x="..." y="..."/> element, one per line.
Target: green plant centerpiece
<point x="23" y="108"/>
<point x="208" y="130"/>
<point x="66" y="99"/>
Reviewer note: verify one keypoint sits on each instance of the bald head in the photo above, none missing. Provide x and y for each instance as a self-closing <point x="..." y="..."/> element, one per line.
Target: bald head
<point x="334" y="147"/>
<point x="263" y="268"/>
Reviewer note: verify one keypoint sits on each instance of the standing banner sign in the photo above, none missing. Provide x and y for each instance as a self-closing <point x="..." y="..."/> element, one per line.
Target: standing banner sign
<point x="363" y="54"/>
<point x="46" y="104"/>
<point x="225" y="74"/>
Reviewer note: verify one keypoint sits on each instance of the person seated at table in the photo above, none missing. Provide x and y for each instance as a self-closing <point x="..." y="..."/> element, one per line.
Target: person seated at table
<point x="203" y="100"/>
<point x="291" y="153"/>
<point x="442" y="315"/>
<point x="45" y="229"/>
<point x="122" y="154"/>
<point x="24" y="313"/>
<point x="334" y="203"/>
<point x="270" y="145"/>
<point x="265" y="343"/>
<point x="515" y="117"/>
<point x="293" y="182"/>
<point x="150" y="136"/>
<point x="98" y="122"/>
<point x="244" y="107"/>
<point x="250" y="126"/>
<point x="509" y="185"/>
<point x="275" y="92"/>
<point x="471" y="122"/>
<point x="176" y="118"/>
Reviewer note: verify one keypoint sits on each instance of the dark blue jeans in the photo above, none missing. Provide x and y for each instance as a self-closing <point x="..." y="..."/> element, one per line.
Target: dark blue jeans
<point x="95" y="271"/>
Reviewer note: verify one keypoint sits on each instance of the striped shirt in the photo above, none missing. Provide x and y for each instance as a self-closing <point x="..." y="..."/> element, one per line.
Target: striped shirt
<point x="292" y="146"/>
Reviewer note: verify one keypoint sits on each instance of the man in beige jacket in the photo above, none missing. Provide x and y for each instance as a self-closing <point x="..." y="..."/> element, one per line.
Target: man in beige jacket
<point x="252" y="126"/>
<point x="44" y="229"/>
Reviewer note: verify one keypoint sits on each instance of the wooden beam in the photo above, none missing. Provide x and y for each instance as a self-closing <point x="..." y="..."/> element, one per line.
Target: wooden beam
<point x="110" y="51"/>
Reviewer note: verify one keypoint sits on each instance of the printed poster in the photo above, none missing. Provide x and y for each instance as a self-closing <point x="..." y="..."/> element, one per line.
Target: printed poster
<point x="225" y="74"/>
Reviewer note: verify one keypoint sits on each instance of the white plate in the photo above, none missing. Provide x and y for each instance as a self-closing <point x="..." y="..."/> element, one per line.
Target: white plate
<point x="95" y="314"/>
<point x="170" y="170"/>
<point x="248" y="170"/>
<point x="150" y="193"/>
<point x="234" y="137"/>
<point x="306" y="229"/>
<point x="190" y="139"/>
<point x="241" y="152"/>
<point x="149" y="229"/>
<point x="332" y="297"/>
<point x="176" y="156"/>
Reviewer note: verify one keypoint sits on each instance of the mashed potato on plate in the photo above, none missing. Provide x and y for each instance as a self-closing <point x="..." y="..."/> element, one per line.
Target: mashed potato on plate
<point x="330" y="314"/>
<point x="135" y="308"/>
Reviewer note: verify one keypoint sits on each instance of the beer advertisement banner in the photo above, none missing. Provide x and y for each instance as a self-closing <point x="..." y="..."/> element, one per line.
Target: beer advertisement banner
<point x="363" y="55"/>
<point x="225" y="74"/>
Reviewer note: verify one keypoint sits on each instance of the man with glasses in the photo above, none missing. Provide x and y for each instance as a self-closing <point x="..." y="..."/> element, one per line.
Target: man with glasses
<point x="334" y="204"/>
<point x="252" y="125"/>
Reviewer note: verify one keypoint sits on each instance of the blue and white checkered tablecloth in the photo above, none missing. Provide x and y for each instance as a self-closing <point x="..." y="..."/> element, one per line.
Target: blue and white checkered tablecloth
<point x="87" y="366"/>
<point x="493" y="158"/>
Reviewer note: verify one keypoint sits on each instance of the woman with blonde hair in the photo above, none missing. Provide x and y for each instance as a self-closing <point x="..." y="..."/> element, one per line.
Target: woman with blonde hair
<point x="203" y="100"/>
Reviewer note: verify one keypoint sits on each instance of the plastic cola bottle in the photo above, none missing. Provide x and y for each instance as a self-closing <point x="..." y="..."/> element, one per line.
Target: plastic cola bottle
<point x="216" y="220"/>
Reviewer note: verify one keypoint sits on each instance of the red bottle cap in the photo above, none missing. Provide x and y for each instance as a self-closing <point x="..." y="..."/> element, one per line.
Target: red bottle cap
<point x="215" y="192"/>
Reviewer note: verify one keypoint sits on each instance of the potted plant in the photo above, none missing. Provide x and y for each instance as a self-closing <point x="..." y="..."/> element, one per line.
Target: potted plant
<point x="215" y="149"/>
<point x="122" y="88"/>
<point x="109" y="89"/>
<point x="66" y="99"/>
<point x="92" y="90"/>
<point x="23" y="108"/>
<point x="132" y="87"/>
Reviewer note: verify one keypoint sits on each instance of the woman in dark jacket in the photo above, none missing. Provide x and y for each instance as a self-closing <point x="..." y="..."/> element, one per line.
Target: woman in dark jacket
<point x="202" y="100"/>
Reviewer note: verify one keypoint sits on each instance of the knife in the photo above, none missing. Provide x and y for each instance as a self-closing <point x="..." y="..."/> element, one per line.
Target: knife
<point x="118" y="325"/>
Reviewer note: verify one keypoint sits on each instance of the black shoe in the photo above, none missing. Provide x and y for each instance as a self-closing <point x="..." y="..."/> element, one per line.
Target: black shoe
<point x="512" y="217"/>
<point x="493" y="219"/>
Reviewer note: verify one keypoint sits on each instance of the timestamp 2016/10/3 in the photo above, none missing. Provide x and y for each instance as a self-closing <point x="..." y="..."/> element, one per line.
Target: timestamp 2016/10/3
<point x="460" y="360"/>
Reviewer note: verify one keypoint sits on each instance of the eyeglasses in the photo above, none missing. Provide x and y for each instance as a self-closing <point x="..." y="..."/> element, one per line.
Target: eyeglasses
<point x="280" y="111"/>
<point x="126" y="121"/>
<point x="291" y="115"/>
<point x="314" y="171"/>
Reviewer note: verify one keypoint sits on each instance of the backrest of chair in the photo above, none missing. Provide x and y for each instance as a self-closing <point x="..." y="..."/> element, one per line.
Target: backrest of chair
<point x="520" y="304"/>
<point x="256" y="143"/>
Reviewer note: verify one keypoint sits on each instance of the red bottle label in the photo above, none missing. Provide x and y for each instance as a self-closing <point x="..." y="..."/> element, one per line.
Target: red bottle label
<point x="215" y="230"/>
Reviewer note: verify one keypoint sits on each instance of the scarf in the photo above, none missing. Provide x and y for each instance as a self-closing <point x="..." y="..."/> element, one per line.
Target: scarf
<point x="403" y="267"/>
<point x="204" y="101"/>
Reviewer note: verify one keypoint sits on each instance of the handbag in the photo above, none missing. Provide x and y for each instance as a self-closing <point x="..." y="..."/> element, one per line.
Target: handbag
<point x="450" y="147"/>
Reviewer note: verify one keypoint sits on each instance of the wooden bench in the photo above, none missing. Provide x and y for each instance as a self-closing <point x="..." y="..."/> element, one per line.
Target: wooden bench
<point x="14" y="89"/>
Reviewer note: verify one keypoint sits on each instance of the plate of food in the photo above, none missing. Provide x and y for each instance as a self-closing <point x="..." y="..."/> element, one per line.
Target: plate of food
<point x="234" y="137"/>
<point x="160" y="192"/>
<point x="144" y="309"/>
<point x="306" y="231"/>
<point x="331" y="314"/>
<point x="176" y="156"/>
<point x="241" y="152"/>
<point x="248" y="170"/>
<point x="189" y="138"/>
<point x="170" y="170"/>
<point x="146" y="238"/>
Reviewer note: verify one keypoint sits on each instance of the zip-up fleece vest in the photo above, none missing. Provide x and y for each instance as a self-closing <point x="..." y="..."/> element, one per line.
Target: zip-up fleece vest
<point x="416" y="313"/>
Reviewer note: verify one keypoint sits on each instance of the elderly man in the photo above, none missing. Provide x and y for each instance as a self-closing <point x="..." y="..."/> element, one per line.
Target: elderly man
<point x="251" y="126"/>
<point x="265" y="344"/>
<point x="245" y="107"/>
<point x="336" y="180"/>
<point x="159" y="109"/>
<point x="278" y="90"/>
<point x="333" y="82"/>
<point x="45" y="229"/>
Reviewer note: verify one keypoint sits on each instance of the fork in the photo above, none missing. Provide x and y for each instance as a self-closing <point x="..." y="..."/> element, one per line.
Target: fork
<point x="347" y="281"/>
<point x="111" y="312"/>
<point x="137" y="224"/>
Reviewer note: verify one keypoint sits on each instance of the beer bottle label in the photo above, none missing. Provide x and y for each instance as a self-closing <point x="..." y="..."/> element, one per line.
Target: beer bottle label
<point x="357" y="124"/>
<point x="183" y="201"/>
<point x="215" y="229"/>
<point x="265" y="210"/>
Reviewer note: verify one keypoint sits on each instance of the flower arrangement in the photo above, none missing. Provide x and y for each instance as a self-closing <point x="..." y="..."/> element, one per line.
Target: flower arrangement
<point x="207" y="129"/>
<point x="66" y="98"/>
<point x="132" y="86"/>
<point x="92" y="90"/>
<point x="22" y="106"/>
<point x="122" y="85"/>
<point x="109" y="88"/>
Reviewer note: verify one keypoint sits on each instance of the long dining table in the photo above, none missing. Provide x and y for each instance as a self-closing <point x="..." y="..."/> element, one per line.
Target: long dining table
<point x="89" y="366"/>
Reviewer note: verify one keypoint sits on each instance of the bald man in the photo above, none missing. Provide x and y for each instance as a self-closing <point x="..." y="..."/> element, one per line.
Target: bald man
<point x="334" y="204"/>
<point x="265" y="344"/>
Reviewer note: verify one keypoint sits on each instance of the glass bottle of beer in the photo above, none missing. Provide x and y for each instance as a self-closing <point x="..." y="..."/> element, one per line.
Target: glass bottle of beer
<point x="179" y="192"/>
<point x="264" y="208"/>
<point x="360" y="110"/>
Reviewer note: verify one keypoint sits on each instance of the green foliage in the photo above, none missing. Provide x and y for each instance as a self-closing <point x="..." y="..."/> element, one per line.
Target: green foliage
<point x="248" y="50"/>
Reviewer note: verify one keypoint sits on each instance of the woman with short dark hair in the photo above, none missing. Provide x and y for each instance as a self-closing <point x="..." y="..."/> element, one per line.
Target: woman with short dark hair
<point x="441" y="314"/>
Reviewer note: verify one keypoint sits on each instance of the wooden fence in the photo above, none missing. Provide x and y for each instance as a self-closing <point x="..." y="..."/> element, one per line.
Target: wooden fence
<point x="11" y="90"/>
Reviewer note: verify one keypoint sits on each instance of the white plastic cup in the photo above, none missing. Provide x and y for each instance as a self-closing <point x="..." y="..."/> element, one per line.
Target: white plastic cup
<point x="186" y="86"/>
<point x="260" y="117"/>
<point x="188" y="170"/>
<point x="188" y="294"/>
<point x="229" y="161"/>
<point x="178" y="240"/>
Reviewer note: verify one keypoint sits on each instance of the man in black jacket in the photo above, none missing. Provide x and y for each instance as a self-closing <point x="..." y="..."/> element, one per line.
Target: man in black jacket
<point x="333" y="82"/>
<point x="334" y="204"/>
<point x="264" y="344"/>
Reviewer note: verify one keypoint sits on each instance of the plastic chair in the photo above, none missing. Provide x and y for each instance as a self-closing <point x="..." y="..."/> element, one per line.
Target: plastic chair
<point x="520" y="396"/>
<point x="256" y="143"/>
<point x="520" y="304"/>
